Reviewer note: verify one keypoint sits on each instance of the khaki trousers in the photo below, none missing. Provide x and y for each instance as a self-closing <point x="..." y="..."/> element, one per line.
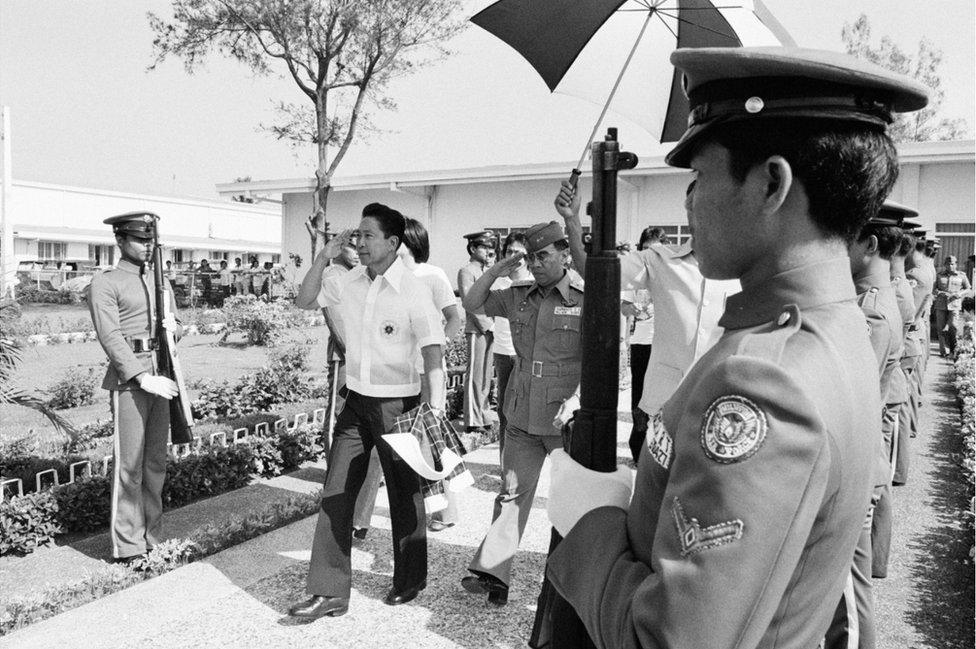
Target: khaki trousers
<point x="141" y="434"/>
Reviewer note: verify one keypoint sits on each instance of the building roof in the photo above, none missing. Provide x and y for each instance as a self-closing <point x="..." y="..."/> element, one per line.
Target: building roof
<point x="909" y="153"/>
<point x="105" y="236"/>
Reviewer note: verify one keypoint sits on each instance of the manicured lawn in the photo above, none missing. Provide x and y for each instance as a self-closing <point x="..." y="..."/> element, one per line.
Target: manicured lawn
<point x="202" y="359"/>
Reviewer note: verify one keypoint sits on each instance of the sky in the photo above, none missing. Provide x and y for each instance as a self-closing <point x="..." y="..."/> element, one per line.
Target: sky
<point x="86" y="112"/>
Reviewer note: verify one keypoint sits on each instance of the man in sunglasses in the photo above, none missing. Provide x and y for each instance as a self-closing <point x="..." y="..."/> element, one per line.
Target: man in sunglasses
<point x="545" y="315"/>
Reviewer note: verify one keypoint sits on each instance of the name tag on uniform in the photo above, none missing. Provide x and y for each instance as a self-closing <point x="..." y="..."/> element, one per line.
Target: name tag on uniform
<point x="659" y="442"/>
<point x="568" y="310"/>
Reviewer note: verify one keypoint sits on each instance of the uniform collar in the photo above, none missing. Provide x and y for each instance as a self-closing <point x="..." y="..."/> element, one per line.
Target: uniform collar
<point x="393" y="274"/>
<point x="867" y="281"/>
<point x="129" y="267"/>
<point x="562" y="286"/>
<point x="807" y="286"/>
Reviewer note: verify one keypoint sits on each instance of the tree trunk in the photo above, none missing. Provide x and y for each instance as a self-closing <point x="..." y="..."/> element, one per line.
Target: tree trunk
<point x="323" y="179"/>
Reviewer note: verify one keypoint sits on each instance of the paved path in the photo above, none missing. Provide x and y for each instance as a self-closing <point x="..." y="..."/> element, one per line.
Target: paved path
<point x="239" y="597"/>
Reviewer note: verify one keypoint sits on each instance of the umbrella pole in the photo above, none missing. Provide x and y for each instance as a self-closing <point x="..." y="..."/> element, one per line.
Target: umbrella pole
<point x="591" y="439"/>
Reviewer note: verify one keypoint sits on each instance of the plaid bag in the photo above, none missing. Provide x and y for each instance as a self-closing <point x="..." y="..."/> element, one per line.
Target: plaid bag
<point x="433" y="434"/>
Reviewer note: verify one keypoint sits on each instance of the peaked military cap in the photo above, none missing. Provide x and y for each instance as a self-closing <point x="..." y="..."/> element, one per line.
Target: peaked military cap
<point x="141" y="225"/>
<point x="541" y="235"/>
<point x="892" y="213"/>
<point x="481" y="237"/>
<point x="733" y="84"/>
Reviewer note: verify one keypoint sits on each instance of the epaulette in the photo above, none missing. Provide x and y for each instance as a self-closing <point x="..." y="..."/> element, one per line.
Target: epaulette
<point x="769" y="341"/>
<point x="577" y="284"/>
<point x="868" y="299"/>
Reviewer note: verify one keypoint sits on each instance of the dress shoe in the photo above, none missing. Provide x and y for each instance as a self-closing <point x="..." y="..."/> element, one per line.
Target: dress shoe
<point x="480" y="584"/>
<point x="437" y="525"/>
<point x="360" y="533"/>
<point x="128" y="561"/>
<point x="318" y="606"/>
<point x="394" y="598"/>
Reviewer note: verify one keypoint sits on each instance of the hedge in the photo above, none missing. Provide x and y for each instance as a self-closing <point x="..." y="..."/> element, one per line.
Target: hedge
<point x="30" y="521"/>
<point x="964" y="368"/>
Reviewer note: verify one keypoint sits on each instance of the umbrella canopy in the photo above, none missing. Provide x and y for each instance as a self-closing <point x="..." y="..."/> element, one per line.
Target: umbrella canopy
<point x="581" y="47"/>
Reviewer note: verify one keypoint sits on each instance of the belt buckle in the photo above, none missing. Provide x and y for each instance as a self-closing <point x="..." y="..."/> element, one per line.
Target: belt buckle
<point x="537" y="369"/>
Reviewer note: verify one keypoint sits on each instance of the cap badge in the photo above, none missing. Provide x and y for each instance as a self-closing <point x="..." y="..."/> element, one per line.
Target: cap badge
<point x="754" y="104"/>
<point x="733" y="429"/>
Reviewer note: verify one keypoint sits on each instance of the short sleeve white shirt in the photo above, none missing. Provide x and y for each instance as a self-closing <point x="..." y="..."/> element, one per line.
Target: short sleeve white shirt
<point x="385" y="322"/>
<point x="502" y="343"/>
<point x="688" y="308"/>
<point x="440" y="286"/>
<point x="332" y="270"/>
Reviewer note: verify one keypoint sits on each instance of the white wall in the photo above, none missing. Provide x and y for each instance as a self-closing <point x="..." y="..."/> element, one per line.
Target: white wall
<point x="941" y="191"/>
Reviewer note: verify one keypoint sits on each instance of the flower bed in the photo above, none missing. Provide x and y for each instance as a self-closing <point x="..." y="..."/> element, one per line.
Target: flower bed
<point x="227" y="462"/>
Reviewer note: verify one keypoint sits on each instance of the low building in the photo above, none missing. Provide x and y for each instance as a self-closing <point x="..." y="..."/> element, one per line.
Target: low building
<point x="55" y="225"/>
<point x="937" y="178"/>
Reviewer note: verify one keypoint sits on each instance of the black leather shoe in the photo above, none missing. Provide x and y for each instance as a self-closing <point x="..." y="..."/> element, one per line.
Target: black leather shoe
<point x="393" y="598"/>
<point x="359" y="533"/>
<point x="318" y="606"/>
<point x="128" y="561"/>
<point x="480" y="584"/>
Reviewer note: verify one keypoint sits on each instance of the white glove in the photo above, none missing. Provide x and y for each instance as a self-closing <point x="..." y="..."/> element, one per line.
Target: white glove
<point x="170" y="324"/>
<point x="575" y="490"/>
<point x="566" y="411"/>
<point x="158" y="385"/>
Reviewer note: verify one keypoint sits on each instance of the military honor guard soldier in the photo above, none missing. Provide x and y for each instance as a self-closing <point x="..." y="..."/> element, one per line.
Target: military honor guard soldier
<point x="122" y="305"/>
<point x="751" y="490"/>
<point x="479" y="335"/>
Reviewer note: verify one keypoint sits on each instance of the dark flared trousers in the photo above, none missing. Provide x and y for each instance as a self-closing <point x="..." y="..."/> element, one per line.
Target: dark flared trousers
<point x="357" y="431"/>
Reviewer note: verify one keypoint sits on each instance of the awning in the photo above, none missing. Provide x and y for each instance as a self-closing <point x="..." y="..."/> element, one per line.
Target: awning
<point x="80" y="235"/>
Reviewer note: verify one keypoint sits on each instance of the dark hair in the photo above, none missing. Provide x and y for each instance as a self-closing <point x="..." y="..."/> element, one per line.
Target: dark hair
<point x="416" y="240"/>
<point x="223" y="263"/>
<point x="514" y="237"/>
<point x="560" y="244"/>
<point x="652" y="234"/>
<point x="846" y="169"/>
<point x="889" y="238"/>
<point x="474" y="243"/>
<point x="907" y="245"/>
<point x="390" y="221"/>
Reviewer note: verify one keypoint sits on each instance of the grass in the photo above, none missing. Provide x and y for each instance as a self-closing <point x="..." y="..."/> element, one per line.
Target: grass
<point x="202" y="359"/>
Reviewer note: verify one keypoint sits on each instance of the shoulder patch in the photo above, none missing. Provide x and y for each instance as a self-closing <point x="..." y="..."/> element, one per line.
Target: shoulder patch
<point x="733" y="429"/>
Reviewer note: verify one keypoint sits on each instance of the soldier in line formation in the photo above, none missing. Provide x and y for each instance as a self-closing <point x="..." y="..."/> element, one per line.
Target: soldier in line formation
<point x="751" y="507"/>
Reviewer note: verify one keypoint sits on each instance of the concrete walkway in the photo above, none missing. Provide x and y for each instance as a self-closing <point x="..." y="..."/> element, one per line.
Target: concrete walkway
<point x="239" y="597"/>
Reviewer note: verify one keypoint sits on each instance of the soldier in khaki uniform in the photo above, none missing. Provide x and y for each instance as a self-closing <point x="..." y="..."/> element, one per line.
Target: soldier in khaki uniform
<point x="479" y="335"/>
<point x="751" y="490"/>
<point x="122" y="305"/>
<point x="545" y="317"/>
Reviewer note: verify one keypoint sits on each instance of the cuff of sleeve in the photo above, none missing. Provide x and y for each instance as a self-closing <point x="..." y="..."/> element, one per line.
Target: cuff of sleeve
<point x="431" y="340"/>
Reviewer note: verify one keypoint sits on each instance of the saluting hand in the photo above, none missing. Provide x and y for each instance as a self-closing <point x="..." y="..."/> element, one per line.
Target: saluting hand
<point x="506" y="265"/>
<point x="336" y="243"/>
<point x="567" y="201"/>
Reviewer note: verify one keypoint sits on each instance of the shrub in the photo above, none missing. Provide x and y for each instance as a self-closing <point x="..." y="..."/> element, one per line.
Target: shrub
<point x="84" y="505"/>
<point x="26" y="466"/>
<point x="214" y="470"/>
<point x="262" y="322"/>
<point x="76" y="388"/>
<point x="28" y="522"/>
<point x="265" y="456"/>
<point x="455" y="403"/>
<point x="298" y="446"/>
<point x="456" y="355"/>
<point x="90" y="437"/>
<point x="284" y="380"/>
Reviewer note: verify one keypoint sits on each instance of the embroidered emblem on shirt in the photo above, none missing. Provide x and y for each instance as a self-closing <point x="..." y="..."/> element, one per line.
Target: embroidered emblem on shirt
<point x="733" y="429"/>
<point x="695" y="538"/>
<point x="567" y="310"/>
<point x="388" y="329"/>
<point x="659" y="442"/>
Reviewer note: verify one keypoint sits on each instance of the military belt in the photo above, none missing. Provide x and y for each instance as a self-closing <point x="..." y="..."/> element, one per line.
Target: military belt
<point x="139" y="345"/>
<point x="539" y="369"/>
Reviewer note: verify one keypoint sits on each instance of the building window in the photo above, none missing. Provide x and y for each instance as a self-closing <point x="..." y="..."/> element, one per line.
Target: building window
<point x="101" y="255"/>
<point x="218" y="255"/>
<point x="177" y="255"/>
<point x="677" y="234"/>
<point x="275" y="259"/>
<point x="51" y="250"/>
